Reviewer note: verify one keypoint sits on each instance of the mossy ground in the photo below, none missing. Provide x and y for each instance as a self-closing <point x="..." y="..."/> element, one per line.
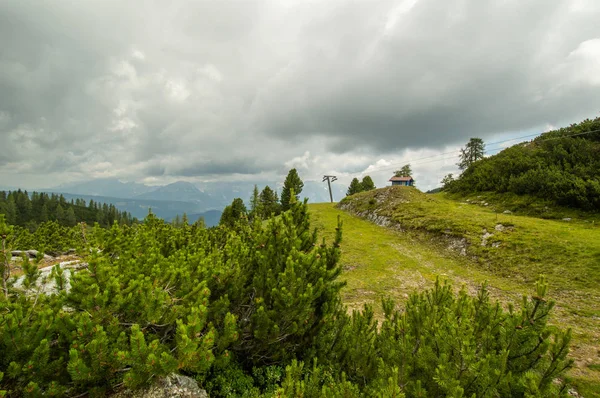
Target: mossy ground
<point x="425" y="240"/>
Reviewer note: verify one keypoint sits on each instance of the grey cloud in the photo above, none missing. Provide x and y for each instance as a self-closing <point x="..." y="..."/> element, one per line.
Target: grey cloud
<point x="194" y="89"/>
<point x="198" y="165"/>
<point x="439" y="77"/>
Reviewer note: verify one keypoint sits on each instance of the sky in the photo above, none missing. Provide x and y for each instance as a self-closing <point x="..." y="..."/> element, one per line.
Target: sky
<point x="159" y="91"/>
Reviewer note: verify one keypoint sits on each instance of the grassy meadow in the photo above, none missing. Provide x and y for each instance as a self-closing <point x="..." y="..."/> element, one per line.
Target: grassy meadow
<point x="467" y="243"/>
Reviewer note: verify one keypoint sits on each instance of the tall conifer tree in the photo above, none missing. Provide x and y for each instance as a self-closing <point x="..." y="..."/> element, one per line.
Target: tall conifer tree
<point x="292" y="183"/>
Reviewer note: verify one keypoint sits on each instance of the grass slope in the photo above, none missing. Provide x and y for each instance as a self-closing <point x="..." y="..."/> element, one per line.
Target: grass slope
<point x="431" y="235"/>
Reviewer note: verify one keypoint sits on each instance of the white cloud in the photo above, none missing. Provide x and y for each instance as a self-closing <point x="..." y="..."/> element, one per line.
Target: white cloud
<point x="211" y="71"/>
<point x="300" y="162"/>
<point x="137" y="54"/>
<point x="177" y="90"/>
<point x="585" y="61"/>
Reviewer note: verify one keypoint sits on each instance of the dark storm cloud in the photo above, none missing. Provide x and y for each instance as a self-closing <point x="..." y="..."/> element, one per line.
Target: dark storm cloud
<point x="167" y="89"/>
<point x="223" y="167"/>
<point x="443" y="72"/>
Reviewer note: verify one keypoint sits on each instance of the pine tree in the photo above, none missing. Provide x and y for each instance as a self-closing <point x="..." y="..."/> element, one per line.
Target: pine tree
<point x="472" y="152"/>
<point x="70" y="219"/>
<point x="254" y="202"/>
<point x="294" y="184"/>
<point x="405" y="171"/>
<point x="289" y="293"/>
<point x="233" y="213"/>
<point x="11" y="211"/>
<point x="176" y="221"/>
<point x="367" y="184"/>
<point x="43" y="213"/>
<point x="355" y="187"/>
<point x="269" y="202"/>
<point x="60" y="214"/>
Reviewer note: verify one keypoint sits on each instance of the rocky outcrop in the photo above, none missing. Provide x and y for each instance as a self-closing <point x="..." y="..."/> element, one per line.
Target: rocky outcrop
<point x="31" y="254"/>
<point x="381" y="220"/>
<point x="172" y="386"/>
<point x="453" y="243"/>
<point x="45" y="283"/>
<point x="48" y="255"/>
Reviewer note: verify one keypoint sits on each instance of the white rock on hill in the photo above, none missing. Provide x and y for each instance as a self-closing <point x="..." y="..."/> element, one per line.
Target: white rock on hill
<point x="46" y="283"/>
<point x="168" y="387"/>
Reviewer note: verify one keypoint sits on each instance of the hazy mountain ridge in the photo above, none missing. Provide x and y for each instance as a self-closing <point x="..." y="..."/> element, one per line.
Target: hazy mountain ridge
<point x="111" y="187"/>
<point x="166" y="209"/>
<point x="208" y="195"/>
<point x="205" y="200"/>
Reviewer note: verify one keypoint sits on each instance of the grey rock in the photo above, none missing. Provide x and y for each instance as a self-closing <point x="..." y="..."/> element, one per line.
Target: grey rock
<point x="32" y="253"/>
<point x="457" y="244"/>
<point x="572" y="392"/>
<point x="507" y="212"/>
<point x="567" y="219"/>
<point x="167" y="387"/>
<point x="484" y="238"/>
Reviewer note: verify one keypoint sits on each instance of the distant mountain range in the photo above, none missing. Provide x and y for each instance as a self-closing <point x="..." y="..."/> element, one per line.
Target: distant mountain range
<point x="203" y="200"/>
<point x="104" y="187"/>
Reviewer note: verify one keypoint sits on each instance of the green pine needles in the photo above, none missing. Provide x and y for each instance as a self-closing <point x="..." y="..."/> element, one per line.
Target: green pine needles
<point x="253" y="309"/>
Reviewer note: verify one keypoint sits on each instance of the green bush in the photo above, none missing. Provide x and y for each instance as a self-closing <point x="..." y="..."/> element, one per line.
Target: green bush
<point x="444" y="344"/>
<point x="562" y="166"/>
<point x="234" y="307"/>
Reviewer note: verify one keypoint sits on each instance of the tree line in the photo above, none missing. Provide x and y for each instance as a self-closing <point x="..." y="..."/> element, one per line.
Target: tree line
<point x="356" y="186"/>
<point x="265" y="203"/>
<point x="30" y="210"/>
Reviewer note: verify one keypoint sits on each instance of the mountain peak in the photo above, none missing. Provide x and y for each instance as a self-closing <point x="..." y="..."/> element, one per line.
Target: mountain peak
<point x="178" y="186"/>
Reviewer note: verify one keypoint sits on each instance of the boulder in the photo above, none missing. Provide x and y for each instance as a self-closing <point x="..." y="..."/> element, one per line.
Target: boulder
<point x="167" y="387"/>
<point x="507" y="212"/>
<point x="32" y="253"/>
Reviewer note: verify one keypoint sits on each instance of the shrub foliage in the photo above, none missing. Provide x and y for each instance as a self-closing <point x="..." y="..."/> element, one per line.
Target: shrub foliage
<point x="254" y="309"/>
<point x="562" y="166"/>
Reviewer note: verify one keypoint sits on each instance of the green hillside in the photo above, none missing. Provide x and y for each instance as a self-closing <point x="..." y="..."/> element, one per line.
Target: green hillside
<point x="430" y="235"/>
<point x="560" y="167"/>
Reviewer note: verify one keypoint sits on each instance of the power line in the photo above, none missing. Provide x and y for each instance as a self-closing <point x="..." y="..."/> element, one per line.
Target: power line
<point x="437" y="157"/>
<point x="389" y="167"/>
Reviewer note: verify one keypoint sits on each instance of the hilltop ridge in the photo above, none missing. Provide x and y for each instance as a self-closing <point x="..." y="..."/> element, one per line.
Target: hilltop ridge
<point x="494" y="237"/>
<point x="561" y="167"/>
